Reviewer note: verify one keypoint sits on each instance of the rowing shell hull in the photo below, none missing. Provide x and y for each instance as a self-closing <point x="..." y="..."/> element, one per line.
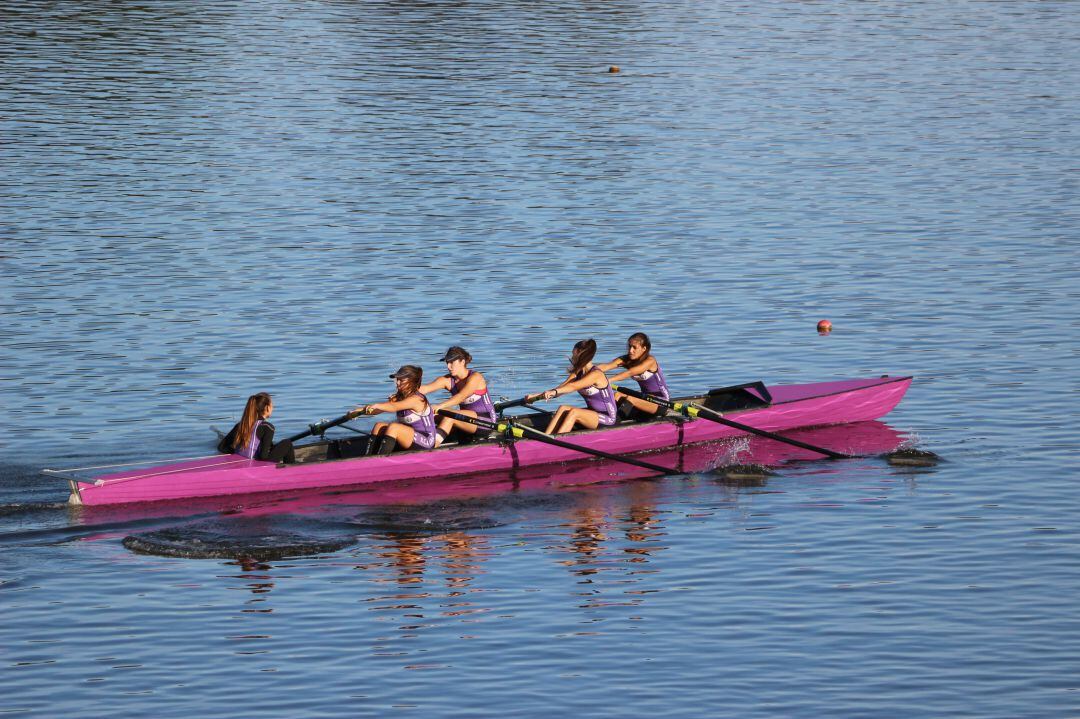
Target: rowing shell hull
<point x="793" y="406"/>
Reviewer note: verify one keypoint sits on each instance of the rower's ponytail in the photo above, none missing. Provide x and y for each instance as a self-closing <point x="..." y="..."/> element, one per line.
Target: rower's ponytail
<point x="253" y="412"/>
<point x="583" y="354"/>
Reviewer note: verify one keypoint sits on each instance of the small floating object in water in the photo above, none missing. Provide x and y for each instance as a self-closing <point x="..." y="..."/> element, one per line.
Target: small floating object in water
<point x="912" y="458"/>
<point x="613" y="68"/>
<point x="824" y="327"/>
<point x="744" y="473"/>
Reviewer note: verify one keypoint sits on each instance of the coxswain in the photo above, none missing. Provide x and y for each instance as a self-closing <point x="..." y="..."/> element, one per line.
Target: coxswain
<point x="253" y="435"/>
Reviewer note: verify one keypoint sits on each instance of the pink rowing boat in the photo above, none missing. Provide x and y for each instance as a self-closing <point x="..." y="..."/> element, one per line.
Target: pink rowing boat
<point x="340" y="462"/>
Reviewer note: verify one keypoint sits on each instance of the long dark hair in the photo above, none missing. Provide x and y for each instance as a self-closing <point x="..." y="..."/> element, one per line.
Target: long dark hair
<point x="583" y="354"/>
<point x="412" y="376"/>
<point x="253" y="412"/>
<point x="642" y="339"/>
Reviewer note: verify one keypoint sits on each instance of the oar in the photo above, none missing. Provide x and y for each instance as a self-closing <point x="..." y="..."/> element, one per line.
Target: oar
<point x="500" y="406"/>
<point x="320" y="427"/>
<point x="522" y="431"/>
<point x="690" y="409"/>
<point x="525" y="401"/>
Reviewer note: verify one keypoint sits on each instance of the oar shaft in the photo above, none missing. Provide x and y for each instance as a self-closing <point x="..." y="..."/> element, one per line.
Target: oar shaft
<point x="320" y="427"/>
<point x="522" y="432"/>
<point x="500" y="406"/>
<point x="523" y="402"/>
<point x="691" y="409"/>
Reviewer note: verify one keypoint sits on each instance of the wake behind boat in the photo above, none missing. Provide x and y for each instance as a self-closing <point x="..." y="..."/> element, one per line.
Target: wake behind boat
<point x="344" y="462"/>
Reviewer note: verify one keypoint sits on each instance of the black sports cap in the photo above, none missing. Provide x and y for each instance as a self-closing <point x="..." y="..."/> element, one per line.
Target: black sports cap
<point x="456" y="353"/>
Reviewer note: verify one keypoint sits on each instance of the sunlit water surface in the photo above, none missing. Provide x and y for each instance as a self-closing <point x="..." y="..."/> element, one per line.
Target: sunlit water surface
<point x="206" y="200"/>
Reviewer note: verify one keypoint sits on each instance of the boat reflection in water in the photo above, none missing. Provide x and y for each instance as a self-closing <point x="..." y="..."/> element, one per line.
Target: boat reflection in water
<point x="420" y="547"/>
<point x="585" y="501"/>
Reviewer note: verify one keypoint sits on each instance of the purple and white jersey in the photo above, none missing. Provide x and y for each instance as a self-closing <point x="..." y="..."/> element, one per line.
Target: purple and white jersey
<point x="422" y="423"/>
<point x="601" y="401"/>
<point x="653" y="383"/>
<point x="479" y="402"/>
<point x="251" y="449"/>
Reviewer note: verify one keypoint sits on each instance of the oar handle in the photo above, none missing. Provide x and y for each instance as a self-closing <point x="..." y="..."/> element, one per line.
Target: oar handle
<point x="691" y="409"/>
<point x="320" y="427"/>
<point x="522" y="432"/>
<point x="527" y="399"/>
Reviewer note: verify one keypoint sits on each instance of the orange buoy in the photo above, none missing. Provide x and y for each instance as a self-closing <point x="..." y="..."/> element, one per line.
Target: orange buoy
<point x="824" y="327"/>
<point x="613" y="68"/>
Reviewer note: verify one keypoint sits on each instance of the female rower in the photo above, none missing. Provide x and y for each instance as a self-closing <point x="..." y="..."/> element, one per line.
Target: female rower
<point x="253" y="435"/>
<point x="415" y="423"/>
<point x="588" y="380"/>
<point x="468" y="390"/>
<point x="641" y="366"/>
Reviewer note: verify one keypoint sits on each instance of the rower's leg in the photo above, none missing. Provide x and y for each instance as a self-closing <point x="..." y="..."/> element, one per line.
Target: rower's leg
<point x="283" y="452"/>
<point x="557" y="418"/>
<point x="401" y="436"/>
<point x="643" y="405"/>
<point x="586" y="418"/>
<point x="375" y="441"/>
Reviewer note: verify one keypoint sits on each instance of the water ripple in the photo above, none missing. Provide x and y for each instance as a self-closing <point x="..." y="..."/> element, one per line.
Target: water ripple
<point x="209" y="200"/>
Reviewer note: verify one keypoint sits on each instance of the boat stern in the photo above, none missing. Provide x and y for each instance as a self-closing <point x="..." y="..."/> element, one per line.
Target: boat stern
<point x="74" y="482"/>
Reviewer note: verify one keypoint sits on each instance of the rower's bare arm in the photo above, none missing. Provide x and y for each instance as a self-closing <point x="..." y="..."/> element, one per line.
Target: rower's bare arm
<point x="589" y="380"/>
<point x="649" y="365"/>
<point x="413" y="403"/>
<point x="608" y="366"/>
<point x="548" y="393"/>
<point x="441" y="383"/>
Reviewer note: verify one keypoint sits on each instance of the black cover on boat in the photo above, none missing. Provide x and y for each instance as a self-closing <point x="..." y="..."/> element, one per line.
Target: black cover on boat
<point x="739" y="396"/>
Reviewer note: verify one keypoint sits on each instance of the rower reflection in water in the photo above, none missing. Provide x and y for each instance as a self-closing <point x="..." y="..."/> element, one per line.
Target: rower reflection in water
<point x="586" y="541"/>
<point x="591" y="382"/>
<point x="253" y="435"/>
<point x="407" y="558"/>
<point x="641" y="366"/>
<point x="468" y="390"/>
<point x="415" y="423"/>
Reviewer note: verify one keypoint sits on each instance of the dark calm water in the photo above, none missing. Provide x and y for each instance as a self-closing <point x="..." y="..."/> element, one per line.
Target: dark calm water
<point x="204" y="200"/>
